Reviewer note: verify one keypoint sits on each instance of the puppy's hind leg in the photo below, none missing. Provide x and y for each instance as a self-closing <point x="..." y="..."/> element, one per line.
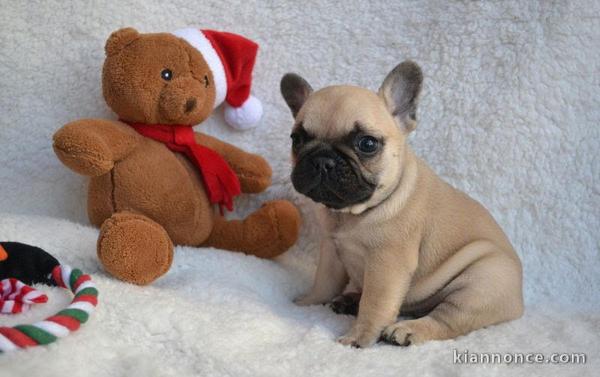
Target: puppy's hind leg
<point x="346" y="303"/>
<point x="486" y="293"/>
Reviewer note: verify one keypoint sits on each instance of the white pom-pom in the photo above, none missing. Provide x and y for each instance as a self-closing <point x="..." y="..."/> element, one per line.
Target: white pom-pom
<point x="245" y="116"/>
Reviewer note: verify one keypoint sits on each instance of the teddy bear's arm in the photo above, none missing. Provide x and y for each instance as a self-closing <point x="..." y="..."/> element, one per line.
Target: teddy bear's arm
<point x="91" y="146"/>
<point x="252" y="170"/>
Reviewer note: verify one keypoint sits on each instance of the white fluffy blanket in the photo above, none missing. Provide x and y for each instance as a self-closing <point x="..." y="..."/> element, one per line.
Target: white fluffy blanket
<point x="510" y="114"/>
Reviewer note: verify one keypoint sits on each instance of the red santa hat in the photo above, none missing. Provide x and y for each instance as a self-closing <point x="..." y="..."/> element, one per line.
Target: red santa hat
<point x="231" y="59"/>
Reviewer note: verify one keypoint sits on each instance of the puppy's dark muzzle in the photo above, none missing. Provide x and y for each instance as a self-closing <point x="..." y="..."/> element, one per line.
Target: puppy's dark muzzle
<point x="324" y="164"/>
<point x="312" y="169"/>
<point x="328" y="177"/>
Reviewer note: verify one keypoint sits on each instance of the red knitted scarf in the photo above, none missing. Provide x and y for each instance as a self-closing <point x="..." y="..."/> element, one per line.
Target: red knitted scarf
<point x="220" y="181"/>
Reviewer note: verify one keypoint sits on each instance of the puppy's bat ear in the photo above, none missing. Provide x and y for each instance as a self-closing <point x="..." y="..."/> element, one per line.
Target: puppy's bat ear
<point x="295" y="90"/>
<point x="400" y="91"/>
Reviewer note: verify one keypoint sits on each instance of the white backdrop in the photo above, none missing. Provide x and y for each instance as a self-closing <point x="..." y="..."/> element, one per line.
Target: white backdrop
<point x="510" y="114"/>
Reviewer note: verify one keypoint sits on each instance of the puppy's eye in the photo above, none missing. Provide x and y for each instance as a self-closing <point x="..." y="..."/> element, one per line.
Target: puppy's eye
<point x="166" y="74"/>
<point x="297" y="139"/>
<point x="367" y="145"/>
<point x="206" y="82"/>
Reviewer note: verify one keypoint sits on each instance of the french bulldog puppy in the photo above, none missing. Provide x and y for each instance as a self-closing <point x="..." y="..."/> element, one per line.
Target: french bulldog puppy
<point x="394" y="235"/>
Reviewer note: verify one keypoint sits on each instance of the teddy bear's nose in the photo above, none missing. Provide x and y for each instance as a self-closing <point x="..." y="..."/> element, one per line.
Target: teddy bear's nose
<point x="190" y="105"/>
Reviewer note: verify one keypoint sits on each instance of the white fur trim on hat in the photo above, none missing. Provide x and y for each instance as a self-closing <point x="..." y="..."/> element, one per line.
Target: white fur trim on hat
<point x="245" y="116"/>
<point x="196" y="38"/>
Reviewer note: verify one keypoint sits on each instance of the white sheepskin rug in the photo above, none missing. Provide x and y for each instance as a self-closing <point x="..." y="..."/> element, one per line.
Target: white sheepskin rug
<point x="510" y="114"/>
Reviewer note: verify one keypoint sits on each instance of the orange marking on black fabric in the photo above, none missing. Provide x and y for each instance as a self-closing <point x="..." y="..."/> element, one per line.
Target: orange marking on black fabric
<point x="3" y="254"/>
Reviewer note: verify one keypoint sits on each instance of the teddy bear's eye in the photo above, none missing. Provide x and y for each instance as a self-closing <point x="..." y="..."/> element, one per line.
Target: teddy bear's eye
<point x="166" y="74"/>
<point x="206" y="82"/>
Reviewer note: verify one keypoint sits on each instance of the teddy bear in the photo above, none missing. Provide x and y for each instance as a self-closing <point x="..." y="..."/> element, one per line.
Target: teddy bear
<point x="154" y="182"/>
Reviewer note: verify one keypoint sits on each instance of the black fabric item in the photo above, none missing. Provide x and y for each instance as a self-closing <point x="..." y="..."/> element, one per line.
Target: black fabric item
<point x="26" y="263"/>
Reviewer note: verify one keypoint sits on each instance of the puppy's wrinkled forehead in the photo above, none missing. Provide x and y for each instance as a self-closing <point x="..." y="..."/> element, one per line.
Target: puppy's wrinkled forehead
<point x="333" y="112"/>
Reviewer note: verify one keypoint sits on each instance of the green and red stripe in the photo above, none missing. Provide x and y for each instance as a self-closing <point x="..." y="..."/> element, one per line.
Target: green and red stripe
<point x="63" y="322"/>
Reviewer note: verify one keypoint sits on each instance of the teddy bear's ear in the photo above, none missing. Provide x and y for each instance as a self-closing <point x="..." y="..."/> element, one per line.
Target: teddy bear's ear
<point x="120" y="39"/>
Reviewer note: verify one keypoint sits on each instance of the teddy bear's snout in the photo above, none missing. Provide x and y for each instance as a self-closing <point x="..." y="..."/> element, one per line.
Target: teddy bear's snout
<point x="180" y="99"/>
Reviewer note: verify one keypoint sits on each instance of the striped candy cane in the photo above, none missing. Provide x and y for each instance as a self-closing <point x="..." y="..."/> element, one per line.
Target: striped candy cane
<point x="17" y="297"/>
<point x="62" y="323"/>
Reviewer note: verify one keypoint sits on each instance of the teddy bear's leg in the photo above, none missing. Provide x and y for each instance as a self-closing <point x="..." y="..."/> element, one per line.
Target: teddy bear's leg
<point x="266" y="233"/>
<point x="134" y="248"/>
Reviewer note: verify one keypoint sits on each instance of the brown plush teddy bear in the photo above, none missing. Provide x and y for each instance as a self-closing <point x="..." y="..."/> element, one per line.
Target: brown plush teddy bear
<point x="154" y="182"/>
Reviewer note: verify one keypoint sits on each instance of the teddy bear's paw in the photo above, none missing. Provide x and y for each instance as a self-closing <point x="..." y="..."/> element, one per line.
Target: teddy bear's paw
<point x="266" y="233"/>
<point x="254" y="174"/>
<point x="285" y="220"/>
<point x="134" y="248"/>
<point x="82" y="151"/>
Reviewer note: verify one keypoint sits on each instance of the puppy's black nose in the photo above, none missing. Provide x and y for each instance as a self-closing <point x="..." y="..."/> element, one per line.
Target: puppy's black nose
<point x="324" y="164"/>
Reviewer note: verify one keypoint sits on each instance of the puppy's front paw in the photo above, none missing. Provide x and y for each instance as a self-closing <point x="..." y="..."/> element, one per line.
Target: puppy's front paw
<point x="359" y="338"/>
<point x="348" y="340"/>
